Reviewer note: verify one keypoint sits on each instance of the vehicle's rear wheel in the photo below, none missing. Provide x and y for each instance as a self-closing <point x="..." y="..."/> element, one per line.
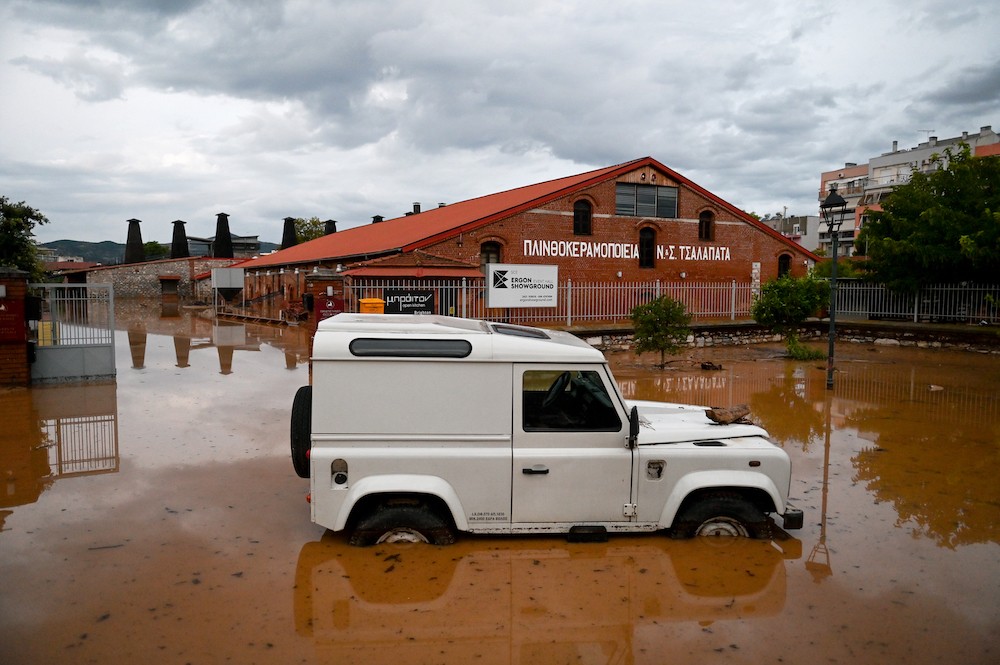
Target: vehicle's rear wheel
<point x="301" y="430"/>
<point x="721" y="514"/>
<point x="402" y="523"/>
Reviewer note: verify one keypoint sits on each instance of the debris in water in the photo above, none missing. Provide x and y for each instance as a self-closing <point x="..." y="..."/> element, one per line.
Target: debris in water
<point x="727" y="415"/>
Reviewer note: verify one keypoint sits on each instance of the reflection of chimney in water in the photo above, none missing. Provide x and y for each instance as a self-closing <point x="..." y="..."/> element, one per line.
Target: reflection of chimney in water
<point x="225" y="359"/>
<point x="137" y="346"/>
<point x="182" y="350"/>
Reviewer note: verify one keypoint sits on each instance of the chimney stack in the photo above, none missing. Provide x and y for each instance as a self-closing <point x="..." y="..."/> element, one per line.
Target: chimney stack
<point x="329" y="226"/>
<point x="223" y="245"/>
<point x="895" y="146"/>
<point x="134" y="251"/>
<point x="288" y="237"/>
<point x="377" y="218"/>
<point x="179" y="242"/>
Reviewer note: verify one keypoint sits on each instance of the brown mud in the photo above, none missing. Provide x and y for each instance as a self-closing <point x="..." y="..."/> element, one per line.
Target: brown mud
<point x="158" y="519"/>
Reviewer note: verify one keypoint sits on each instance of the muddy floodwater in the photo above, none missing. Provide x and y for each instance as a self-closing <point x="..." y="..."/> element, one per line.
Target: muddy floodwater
<point x="158" y="519"/>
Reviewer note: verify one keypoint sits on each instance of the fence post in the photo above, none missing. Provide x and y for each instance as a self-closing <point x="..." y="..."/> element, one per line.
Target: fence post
<point x="464" y="296"/>
<point x="732" y="302"/>
<point x="916" y="306"/>
<point x="657" y="288"/>
<point x="569" y="302"/>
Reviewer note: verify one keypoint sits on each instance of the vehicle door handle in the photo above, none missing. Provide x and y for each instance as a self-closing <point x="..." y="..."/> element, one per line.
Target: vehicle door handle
<point x="536" y="470"/>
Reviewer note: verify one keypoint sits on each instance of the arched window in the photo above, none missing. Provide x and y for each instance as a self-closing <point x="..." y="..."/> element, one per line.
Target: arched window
<point x="582" y="214"/>
<point x="706" y="225"/>
<point x="647" y="247"/>
<point x="489" y="252"/>
<point x="784" y="264"/>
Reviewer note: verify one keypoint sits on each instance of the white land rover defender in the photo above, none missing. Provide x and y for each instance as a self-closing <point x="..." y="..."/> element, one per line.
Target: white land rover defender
<point x="418" y="426"/>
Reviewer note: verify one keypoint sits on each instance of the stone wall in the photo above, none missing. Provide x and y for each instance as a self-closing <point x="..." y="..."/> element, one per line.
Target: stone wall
<point x="964" y="338"/>
<point x="146" y="280"/>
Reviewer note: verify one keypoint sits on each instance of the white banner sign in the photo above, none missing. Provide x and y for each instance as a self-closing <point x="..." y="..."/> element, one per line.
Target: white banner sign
<point x="513" y="285"/>
<point x="227" y="278"/>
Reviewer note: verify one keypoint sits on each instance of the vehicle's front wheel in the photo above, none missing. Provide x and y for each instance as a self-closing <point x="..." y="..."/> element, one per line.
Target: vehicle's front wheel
<point x="721" y="514"/>
<point x="402" y="523"/>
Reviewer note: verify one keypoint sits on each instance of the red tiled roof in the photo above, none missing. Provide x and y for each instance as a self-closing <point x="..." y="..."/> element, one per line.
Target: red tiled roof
<point x="415" y="264"/>
<point x="70" y="266"/>
<point x="404" y="234"/>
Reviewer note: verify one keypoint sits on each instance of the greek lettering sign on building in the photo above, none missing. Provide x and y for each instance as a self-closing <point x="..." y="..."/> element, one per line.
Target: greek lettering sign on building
<point x="514" y="285"/>
<point x="408" y="301"/>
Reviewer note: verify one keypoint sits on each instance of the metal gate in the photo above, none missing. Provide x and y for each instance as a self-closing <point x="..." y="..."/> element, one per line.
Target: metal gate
<point x="73" y="332"/>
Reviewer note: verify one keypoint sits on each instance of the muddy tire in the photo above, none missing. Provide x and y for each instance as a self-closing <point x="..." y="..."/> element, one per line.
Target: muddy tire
<point x="402" y="523"/>
<point x="721" y="514"/>
<point x="301" y="430"/>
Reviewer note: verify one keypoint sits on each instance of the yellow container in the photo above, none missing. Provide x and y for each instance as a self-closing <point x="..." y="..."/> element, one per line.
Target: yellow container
<point x="372" y="306"/>
<point x="48" y="333"/>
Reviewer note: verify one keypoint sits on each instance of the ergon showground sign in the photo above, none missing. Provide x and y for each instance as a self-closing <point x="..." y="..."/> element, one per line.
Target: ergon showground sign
<point x="513" y="285"/>
<point x="582" y="249"/>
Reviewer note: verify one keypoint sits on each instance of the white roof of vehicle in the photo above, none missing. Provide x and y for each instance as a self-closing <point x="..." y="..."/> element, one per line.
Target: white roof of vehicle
<point x="489" y="341"/>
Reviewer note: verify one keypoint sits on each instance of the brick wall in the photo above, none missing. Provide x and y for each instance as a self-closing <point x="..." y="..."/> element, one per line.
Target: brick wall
<point x="737" y="244"/>
<point x="14" y="367"/>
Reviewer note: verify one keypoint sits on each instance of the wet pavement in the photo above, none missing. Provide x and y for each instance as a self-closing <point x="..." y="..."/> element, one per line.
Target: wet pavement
<point x="158" y="518"/>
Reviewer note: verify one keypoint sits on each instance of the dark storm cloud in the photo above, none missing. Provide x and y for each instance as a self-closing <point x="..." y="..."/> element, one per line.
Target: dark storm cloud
<point x="977" y="85"/>
<point x="299" y="107"/>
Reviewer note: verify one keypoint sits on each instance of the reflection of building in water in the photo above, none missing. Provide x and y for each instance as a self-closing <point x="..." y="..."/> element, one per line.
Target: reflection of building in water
<point x="56" y="432"/>
<point x="193" y="330"/>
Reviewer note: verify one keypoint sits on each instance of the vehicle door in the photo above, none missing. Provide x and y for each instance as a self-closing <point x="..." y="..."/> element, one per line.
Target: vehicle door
<point x="571" y="460"/>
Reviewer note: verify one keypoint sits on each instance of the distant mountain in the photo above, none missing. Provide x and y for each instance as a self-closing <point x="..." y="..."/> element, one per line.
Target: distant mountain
<point x="107" y="252"/>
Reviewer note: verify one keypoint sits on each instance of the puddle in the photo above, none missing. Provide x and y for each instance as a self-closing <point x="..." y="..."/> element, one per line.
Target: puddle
<point x="158" y="517"/>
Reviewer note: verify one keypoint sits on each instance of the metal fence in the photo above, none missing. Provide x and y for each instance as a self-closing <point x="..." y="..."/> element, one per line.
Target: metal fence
<point x="73" y="332"/>
<point x="74" y="314"/>
<point x="945" y="303"/>
<point x="609" y="302"/>
<point x="578" y="302"/>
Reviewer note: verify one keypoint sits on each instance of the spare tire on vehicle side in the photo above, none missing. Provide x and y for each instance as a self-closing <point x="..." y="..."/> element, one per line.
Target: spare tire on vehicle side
<point x="301" y="430"/>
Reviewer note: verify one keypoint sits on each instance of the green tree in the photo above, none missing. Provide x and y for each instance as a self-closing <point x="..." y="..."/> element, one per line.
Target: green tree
<point x="154" y="250"/>
<point x="784" y="304"/>
<point x="660" y="325"/>
<point x="308" y="229"/>
<point x="942" y="226"/>
<point x="17" y="247"/>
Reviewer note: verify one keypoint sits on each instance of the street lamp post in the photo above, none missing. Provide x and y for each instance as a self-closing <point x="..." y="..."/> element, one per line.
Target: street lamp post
<point x="833" y="212"/>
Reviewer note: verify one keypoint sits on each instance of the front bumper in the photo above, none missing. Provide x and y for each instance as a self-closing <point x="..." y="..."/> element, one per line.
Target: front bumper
<point x="792" y="518"/>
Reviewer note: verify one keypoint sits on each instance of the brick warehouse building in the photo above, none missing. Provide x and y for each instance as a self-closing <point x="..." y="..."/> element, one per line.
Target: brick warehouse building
<point x="637" y="221"/>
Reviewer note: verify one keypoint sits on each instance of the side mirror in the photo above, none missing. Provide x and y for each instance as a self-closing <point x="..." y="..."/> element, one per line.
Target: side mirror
<point x="633" y="427"/>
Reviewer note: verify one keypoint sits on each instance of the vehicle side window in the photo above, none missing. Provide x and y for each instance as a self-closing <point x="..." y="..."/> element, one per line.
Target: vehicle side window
<point x="567" y="400"/>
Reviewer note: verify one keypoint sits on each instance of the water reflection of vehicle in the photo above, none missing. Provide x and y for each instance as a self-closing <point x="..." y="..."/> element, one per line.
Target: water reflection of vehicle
<point x="528" y="600"/>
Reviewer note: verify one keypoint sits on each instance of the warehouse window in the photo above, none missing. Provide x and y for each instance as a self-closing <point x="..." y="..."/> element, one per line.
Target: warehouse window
<point x="582" y="214"/>
<point x="706" y="225"/>
<point x="647" y="247"/>
<point x="784" y="264"/>
<point x="489" y="252"/>
<point x="645" y="200"/>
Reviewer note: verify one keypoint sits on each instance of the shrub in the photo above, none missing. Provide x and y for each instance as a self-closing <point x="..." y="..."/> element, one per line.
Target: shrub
<point x="660" y="325"/>
<point x="784" y="304"/>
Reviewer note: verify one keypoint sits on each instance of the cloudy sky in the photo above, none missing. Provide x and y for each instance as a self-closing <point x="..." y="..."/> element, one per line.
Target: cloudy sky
<point x="180" y="109"/>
